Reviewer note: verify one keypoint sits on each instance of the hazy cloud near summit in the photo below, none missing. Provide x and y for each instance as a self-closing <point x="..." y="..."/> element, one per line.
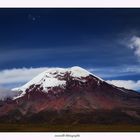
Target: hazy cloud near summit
<point x="19" y="75"/>
<point x="6" y="93"/>
<point x="128" y="84"/>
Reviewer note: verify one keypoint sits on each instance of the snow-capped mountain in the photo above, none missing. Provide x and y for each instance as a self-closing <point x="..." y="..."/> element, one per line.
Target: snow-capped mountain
<point x="71" y="95"/>
<point x="55" y="77"/>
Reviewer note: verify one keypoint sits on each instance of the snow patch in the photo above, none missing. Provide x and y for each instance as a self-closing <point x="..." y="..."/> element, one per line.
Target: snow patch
<point x="78" y="72"/>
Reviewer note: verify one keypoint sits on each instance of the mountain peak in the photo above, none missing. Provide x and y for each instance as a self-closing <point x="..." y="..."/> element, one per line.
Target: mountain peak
<point x="55" y="77"/>
<point x="77" y="71"/>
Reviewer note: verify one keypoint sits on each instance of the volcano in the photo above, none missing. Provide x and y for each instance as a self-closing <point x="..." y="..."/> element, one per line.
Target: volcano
<point x="72" y="95"/>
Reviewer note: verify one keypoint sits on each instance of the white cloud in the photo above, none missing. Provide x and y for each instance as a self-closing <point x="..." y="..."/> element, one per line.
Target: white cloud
<point x="135" y="45"/>
<point x="19" y="75"/>
<point x="128" y="84"/>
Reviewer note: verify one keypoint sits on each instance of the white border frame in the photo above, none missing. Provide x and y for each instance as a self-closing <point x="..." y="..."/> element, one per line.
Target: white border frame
<point x="70" y="3"/>
<point x="70" y="136"/>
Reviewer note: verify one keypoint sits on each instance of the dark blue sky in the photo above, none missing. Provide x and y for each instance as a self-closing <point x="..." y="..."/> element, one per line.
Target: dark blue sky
<point x="91" y="38"/>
